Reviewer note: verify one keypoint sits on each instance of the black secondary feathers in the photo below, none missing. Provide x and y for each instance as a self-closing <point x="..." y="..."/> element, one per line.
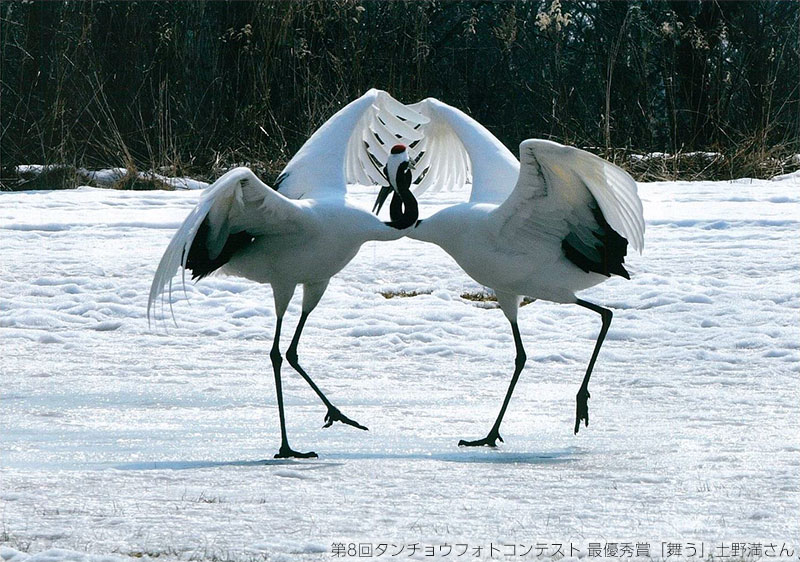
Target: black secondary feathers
<point x="198" y="260"/>
<point x="605" y="256"/>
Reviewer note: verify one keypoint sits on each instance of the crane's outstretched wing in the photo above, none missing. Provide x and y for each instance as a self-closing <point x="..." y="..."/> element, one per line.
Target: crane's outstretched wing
<point x="456" y="151"/>
<point x="350" y="147"/>
<point x="231" y="212"/>
<point x="449" y="151"/>
<point x="585" y="203"/>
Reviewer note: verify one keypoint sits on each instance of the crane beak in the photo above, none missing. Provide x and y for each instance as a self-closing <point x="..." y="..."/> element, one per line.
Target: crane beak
<point x="382" y="195"/>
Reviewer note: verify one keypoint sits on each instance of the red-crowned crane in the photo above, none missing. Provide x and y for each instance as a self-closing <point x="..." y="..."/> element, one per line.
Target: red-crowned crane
<point x="555" y="222"/>
<point x="301" y="232"/>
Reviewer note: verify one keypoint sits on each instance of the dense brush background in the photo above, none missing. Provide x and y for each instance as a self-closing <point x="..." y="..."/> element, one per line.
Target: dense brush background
<point x="190" y="88"/>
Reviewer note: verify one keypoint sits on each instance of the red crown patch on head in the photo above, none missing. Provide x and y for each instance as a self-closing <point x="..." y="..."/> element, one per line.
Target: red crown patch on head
<point x="398" y="148"/>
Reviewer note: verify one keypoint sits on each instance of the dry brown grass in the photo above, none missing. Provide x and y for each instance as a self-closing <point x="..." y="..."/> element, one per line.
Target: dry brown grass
<point x="220" y="83"/>
<point x="133" y="181"/>
<point x="51" y="177"/>
<point x="486" y="297"/>
<point x="404" y="294"/>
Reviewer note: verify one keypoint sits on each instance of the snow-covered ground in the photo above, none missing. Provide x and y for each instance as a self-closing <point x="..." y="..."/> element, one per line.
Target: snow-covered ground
<point x="116" y="439"/>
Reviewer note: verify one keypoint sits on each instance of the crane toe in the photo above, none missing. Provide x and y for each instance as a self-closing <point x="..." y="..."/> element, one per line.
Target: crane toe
<point x="335" y="415"/>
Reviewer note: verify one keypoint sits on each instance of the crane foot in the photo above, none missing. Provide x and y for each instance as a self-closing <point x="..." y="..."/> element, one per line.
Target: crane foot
<point x="335" y="415"/>
<point x="582" y="409"/>
<point x="287" y="452"/>
<point x="488" y="441"/>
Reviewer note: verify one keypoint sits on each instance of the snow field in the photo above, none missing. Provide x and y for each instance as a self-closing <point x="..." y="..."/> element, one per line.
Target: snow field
<point x="123" y="441"/>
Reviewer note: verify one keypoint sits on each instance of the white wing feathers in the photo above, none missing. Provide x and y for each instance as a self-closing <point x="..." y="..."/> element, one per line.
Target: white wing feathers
<point x="441" y="160"/>
<point x="554" y="193"/>
<point x="461" y="150"/>
<point x="615" y="192"/>
<point x="238" y="201"/>
<point x="383" y="124"/>
<point x="449" y="149"/>
<point x="317" y="170"/>
<point x="351" y="147"/>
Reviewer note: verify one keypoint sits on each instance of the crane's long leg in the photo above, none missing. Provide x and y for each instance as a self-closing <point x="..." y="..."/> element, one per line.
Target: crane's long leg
<point x="333" y="414"/>
<point x="275" y="355"/>
<point x="494" y="433"/>
<point x="582" y="409"/>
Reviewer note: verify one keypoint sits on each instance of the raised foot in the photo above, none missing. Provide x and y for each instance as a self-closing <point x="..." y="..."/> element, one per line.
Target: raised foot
<point x="335" y="415"/>
<point x="286" y="452"/>
<point x="488" y="441"/>
<point x="582" y="409"/>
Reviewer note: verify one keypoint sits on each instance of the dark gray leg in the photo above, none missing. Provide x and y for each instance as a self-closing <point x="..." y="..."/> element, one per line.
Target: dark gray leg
<point x="275" y="355"/>
<point x="582" y="409"/>
<point x="494" y="433"/>
<point x="333" y="414"/>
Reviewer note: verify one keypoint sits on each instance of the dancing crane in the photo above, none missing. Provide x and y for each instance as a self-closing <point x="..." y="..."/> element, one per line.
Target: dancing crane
<point x="302" y="232"/>
<point x="555" y="222"/>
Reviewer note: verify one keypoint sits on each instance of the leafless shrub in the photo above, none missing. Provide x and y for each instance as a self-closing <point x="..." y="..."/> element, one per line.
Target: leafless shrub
<point x="191" y="88"/>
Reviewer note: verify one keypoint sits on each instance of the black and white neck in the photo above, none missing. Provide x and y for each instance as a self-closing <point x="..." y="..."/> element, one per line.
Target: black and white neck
<point x="403" y="209"/>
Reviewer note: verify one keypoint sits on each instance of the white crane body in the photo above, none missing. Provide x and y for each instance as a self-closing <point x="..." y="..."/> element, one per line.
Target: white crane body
<point x="540" y="270"/>
<point x="547" y="226"/>
<point x="555" y="222"/>
<point x="302" y="232"/>
<point x="297" y="257"/>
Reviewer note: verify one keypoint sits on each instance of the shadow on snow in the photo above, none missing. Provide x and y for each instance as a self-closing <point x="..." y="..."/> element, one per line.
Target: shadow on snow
<point x="337" y="459"/>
